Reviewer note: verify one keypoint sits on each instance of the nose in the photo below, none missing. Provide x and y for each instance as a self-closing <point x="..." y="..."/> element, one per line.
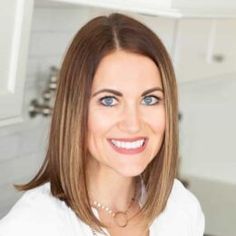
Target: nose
<point x="130" y="121"/>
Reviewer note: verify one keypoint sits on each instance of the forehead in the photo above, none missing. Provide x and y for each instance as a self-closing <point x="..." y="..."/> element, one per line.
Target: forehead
<point x="122" y="69"/>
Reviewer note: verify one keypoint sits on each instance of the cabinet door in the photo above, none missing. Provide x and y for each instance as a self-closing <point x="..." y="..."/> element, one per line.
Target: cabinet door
<point x="223" y="54"/>
<point x="204" y="48"/>
<point x="15" y="19"/>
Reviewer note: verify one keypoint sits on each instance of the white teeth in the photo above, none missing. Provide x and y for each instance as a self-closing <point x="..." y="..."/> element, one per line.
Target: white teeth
<point x="128" y="145"/>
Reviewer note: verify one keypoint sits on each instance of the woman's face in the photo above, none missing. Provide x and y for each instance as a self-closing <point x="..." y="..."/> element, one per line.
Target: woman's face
<point x="126" y="122"/>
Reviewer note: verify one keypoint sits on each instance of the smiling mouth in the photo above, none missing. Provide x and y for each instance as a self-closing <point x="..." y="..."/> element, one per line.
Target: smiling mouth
<point x="125" y="147"/>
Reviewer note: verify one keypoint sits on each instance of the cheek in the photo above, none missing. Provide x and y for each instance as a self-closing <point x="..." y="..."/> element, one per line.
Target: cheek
<point x="157" y="122"/>
<point x="99" y="123"/>
<point x="159" y="125"/>
<point x="96" y="126"/>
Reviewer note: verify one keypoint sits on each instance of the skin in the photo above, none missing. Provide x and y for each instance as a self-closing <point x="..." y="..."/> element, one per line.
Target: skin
<point x="128" y="116"/>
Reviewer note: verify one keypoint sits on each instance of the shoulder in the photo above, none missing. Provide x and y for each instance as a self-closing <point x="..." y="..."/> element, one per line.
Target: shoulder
<point x="183" y="198"/>
<point x="183" y="214"/>
<point x="37" y="212"/>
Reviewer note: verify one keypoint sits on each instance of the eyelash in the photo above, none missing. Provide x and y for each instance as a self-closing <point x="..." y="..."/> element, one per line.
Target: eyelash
<point x="158" y="99"/>
<point x="105" y="97"/>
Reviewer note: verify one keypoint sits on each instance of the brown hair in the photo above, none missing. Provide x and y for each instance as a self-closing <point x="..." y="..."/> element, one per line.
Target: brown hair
<point x="65" y="163"/>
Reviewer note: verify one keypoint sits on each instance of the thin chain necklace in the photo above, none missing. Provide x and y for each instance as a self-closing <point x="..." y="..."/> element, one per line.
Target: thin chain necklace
<point x="120" y="217"/>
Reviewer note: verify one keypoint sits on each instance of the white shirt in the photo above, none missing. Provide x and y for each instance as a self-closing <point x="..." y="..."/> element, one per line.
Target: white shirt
<point x="38" y="213"/>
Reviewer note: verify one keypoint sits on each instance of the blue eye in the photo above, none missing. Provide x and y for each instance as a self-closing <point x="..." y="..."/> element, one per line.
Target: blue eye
<point x="151" y="100"/>
<point x="107" y="101"/>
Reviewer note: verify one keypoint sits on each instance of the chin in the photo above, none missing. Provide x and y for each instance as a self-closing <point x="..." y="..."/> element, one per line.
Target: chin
<point x="131" y="172"/>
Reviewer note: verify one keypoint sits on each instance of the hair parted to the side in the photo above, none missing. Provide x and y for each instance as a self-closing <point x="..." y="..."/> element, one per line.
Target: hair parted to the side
<point x="65" y="163"/>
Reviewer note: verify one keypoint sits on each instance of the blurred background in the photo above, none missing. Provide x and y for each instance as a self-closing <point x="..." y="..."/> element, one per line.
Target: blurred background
<point x="200" y="37"/>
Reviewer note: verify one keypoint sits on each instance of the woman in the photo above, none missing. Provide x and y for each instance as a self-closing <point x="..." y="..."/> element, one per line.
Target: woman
<point x="111" y="160"/>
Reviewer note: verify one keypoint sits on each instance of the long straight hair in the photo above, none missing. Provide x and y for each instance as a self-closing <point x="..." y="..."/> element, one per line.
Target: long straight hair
<point x="65" y="163"/>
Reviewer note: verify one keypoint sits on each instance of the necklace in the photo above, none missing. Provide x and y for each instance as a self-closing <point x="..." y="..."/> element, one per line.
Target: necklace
<point x="120" y="217"/>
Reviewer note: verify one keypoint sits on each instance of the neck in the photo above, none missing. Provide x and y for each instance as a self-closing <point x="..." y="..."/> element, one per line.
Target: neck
<point x="109" y="188"/>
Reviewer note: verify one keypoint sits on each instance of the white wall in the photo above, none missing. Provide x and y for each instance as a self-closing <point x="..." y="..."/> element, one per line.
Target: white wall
<point x="208" y="129"/>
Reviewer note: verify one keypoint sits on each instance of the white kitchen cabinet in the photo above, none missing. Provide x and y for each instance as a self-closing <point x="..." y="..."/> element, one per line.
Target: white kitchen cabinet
<point x="224" y="45"/>
<point x="15" y="22"/>
<point x="204" y="48"/>
<point x="176" y="8"/>
<point x="164" y="27"/>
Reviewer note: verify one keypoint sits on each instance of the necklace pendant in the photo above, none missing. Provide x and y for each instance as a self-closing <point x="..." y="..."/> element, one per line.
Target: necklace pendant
<point x="121" y="219"/>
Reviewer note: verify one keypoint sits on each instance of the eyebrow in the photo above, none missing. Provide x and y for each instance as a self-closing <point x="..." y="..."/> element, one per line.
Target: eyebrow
<point x="119" y="94"/>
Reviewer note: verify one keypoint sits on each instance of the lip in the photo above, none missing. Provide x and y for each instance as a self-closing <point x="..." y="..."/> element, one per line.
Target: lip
<point x="129" y="151"/>
<point x="128" y="139"/>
